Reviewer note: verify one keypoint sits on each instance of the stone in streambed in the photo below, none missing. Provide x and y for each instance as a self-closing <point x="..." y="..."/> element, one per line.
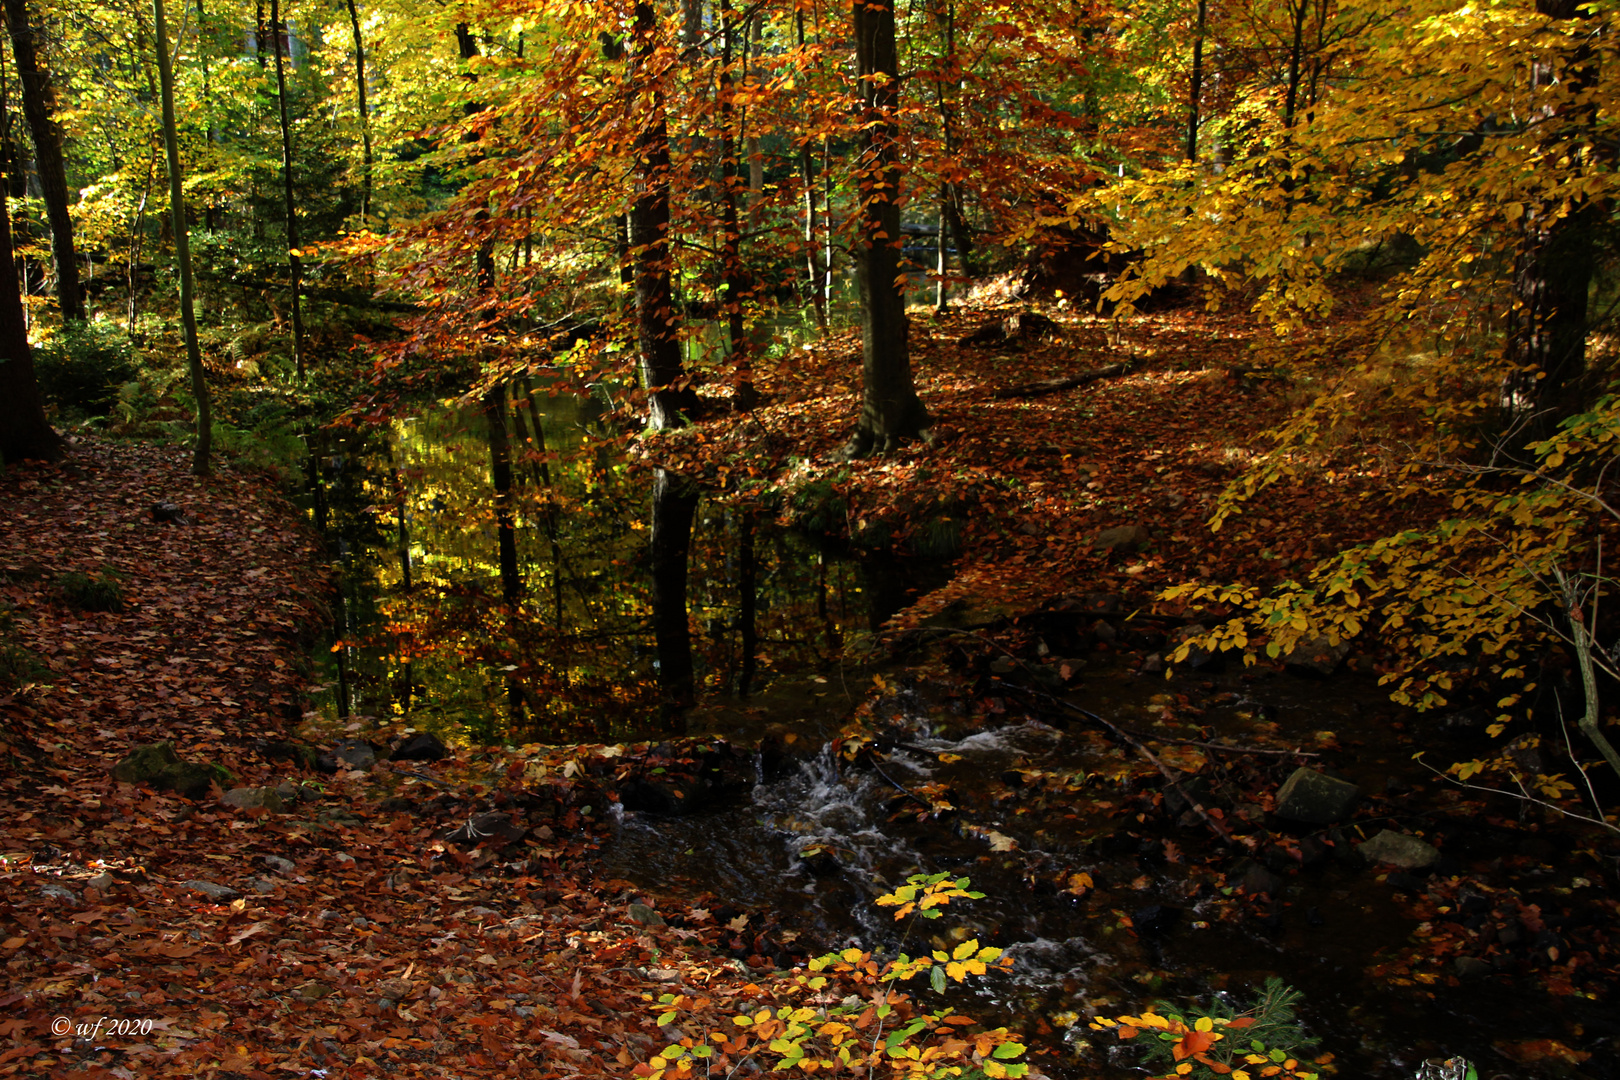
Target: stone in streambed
<point x="1399" y="850"/>
<point x="1315" y="798"/>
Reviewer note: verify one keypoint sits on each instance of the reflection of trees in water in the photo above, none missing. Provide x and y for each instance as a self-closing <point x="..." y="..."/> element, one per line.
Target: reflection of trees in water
<point x="608" y="555"/>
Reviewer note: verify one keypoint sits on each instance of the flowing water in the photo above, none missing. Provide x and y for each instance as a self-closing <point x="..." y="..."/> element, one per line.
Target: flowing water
<point x="1101" y="912"/>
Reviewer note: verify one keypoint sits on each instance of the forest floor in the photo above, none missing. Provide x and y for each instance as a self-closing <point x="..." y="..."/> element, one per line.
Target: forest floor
<point x="144" y="933"/>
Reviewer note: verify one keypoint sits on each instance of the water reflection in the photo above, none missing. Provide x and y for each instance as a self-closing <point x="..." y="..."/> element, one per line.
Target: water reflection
<point x="507" y="574"/>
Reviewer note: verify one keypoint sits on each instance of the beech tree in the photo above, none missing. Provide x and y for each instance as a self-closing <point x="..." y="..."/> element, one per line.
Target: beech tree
<point x="891" y="411"/>
<point x="24" y="430"/>
<point x="39" y="106"/>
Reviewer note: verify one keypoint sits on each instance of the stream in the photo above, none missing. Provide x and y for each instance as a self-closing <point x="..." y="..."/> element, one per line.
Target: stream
<point x="1102" y="910"/>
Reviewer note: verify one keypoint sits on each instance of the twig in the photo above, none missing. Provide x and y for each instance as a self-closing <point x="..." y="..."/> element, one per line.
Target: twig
<point x="1053" y="386"/>
<point x="1223" y="746"/>
<point x="901" y="787"/>
<point x="1215" y="825"/>
<point x="1522" y="793"/>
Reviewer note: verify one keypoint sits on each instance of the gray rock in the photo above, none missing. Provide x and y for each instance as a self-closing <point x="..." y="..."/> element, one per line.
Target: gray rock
<point x="263" y="886"/>
<point x="642" y="915"/>
<point x="1471" y="967"/>
<point x="102" y="881"/>
<point x="212" y="890"/>
<point x="1152" y="664"/>
<point x="1003" y="665"/>
<point x="422" y="746"/>
<point x="354" y="754"/>
<point x="250" y="798"/>
<point x="1123" y="538"/>
<point x="292" y="791"/>
<point x="1318" y="655"/>
<point x="1311" y="797"/>
<point x="1399" y="850"/>
<point x="279" y="865"/>
<point x="58" y="892"/>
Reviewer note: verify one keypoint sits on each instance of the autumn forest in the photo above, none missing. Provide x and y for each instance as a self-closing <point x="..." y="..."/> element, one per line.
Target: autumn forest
<point x="669" y="538"/>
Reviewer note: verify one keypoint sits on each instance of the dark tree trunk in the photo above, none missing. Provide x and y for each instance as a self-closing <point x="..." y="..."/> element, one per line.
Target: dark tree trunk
<point x="200" y="463"/>
<point x="1195" y="93"/>
<point x="749" y="615"/>
<point x="295" y="266"/>
<point x="24" y="431"/>
<point x="363" y="110"/>
<point x="674" y="503"/>
<point x="890" y="411"/>
<point x="659" y="346"/>
<point x="500" y="472"/>
<point x="1546" y="339"/>
<point x="365" y="113"/>
<point x="39" y="108"/>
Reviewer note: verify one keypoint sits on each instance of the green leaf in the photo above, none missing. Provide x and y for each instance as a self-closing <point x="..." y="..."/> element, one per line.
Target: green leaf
<point x="1008" y="1050"/>
<point x="937" y="979"/>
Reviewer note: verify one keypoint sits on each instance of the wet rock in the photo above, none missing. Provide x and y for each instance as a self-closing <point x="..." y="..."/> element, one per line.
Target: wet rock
<point x="1254" y="879"/>
<point x="642" y="915"/>
<point x="157" y="764"/>
<point x="213" y="890"/>
<point x="102" y="882"/>
<point x="1003" y="665"/>
<point x="493" y="829"/>
<point x="1103" y="630"/>
<point x="292" y="791"/>
<point x="1155" y="919"/>
<point x="254" y="798"/>
<point x="263" y="886"/>
<point x="279" y="865"/>
<point x="1318" y="655"/>
<point x="1471" y="967"/>
<point x="53" y="891"/>
<point x="333" y="815"/>
<point x="354" y="754"/>
<point x="421" y="747"/>
<point x="1401" y="881"/>
<point x="656" y="796"/>
<point x="1399" y="850"/>
<point x="1315" y="798"/>
<point x="1152" y="664"/>
<point x="1124" y="538"/>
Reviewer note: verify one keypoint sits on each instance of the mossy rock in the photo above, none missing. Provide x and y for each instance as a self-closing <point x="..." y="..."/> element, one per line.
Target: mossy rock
<point x="157" y="765"/>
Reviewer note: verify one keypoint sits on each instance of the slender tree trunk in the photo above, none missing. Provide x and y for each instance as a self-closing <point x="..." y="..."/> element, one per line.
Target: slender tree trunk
<point x="182" y="248"/>
<point x="38" y="96"/>
<point x="812" y="258"/>
<point x="1195" y="93"/>
<point x="24" y="431"/>
<point x="364" y="112"/>
<point x="295" y="267"/>
<point x="891" y="411"/>
<point x="744" y="397"/>
<point x="952" y="212"/>
<point x="659" y="346"/>
<point x="749" y="616"/>
<point x="500" y="471"/>
<point x="1296" y="11"/>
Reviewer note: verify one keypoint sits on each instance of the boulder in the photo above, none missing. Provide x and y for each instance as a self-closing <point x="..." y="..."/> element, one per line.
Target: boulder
<point x="420" y="747"/>
<point x="213" y="890"/>
<point x="354" y="754"/>
<point x="642" y="915"/>
<point x="249" y="798"/>
<point x="1315" y="798"/>
<point x="1123" y="539"/>
<point x="1399" y="850"/>
<point x="157" y="764"/>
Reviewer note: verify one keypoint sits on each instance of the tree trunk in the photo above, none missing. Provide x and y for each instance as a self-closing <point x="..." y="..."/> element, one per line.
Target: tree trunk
<point x="500" y="471"/>
<point x="365" y="113"/>
<point x="673" y="506"/>
<point x="39" y="108"/>
<point x="182" y="248"/>
<point x="659" y="346"/>
<point x="295" y="268"/>
<point x="1546" y="332"/>
<point x="812" y="259"/>
<point x="749" y="615"/>
<point x="743" y="396"/>
<point x="890" y="411"/>
<point x="1197" y="89"/>
<point x="24" y="431"/>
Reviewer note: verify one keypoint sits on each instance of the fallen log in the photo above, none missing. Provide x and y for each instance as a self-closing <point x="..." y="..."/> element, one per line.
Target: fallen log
<point x="1054" y="386"/>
